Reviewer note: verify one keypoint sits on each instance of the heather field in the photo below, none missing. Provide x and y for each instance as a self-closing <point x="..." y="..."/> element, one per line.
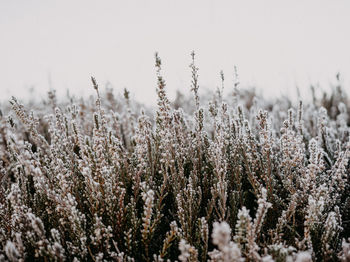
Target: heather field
<point x="234" y="177"/>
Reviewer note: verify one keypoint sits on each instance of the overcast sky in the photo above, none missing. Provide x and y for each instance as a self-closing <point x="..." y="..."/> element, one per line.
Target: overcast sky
<point x="275" y="44"/>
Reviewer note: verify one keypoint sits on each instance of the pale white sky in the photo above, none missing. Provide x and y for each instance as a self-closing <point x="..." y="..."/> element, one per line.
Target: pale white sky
<point x="274" y="43"/>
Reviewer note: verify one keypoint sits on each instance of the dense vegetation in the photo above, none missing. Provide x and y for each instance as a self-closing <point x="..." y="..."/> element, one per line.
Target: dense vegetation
<point x="221" y="178"/>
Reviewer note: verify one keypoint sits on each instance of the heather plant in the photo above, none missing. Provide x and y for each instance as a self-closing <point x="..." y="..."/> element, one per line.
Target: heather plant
<point x="217" y="177"/>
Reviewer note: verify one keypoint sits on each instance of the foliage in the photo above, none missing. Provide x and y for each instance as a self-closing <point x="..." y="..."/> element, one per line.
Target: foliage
<point x="234" y="178"/>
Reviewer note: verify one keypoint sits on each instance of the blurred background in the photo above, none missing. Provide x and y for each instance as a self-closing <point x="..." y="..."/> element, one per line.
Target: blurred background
<point x="276" y="45"/>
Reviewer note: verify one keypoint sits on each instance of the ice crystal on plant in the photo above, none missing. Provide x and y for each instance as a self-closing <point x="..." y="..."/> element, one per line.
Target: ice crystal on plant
<point x="210" y="176"/>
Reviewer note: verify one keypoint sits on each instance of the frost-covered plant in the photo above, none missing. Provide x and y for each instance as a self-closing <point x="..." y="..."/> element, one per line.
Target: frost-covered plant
<point x="211" y="176"/>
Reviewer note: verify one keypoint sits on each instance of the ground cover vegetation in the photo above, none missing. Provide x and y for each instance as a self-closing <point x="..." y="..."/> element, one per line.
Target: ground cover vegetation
<point x="219" y="178"/>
